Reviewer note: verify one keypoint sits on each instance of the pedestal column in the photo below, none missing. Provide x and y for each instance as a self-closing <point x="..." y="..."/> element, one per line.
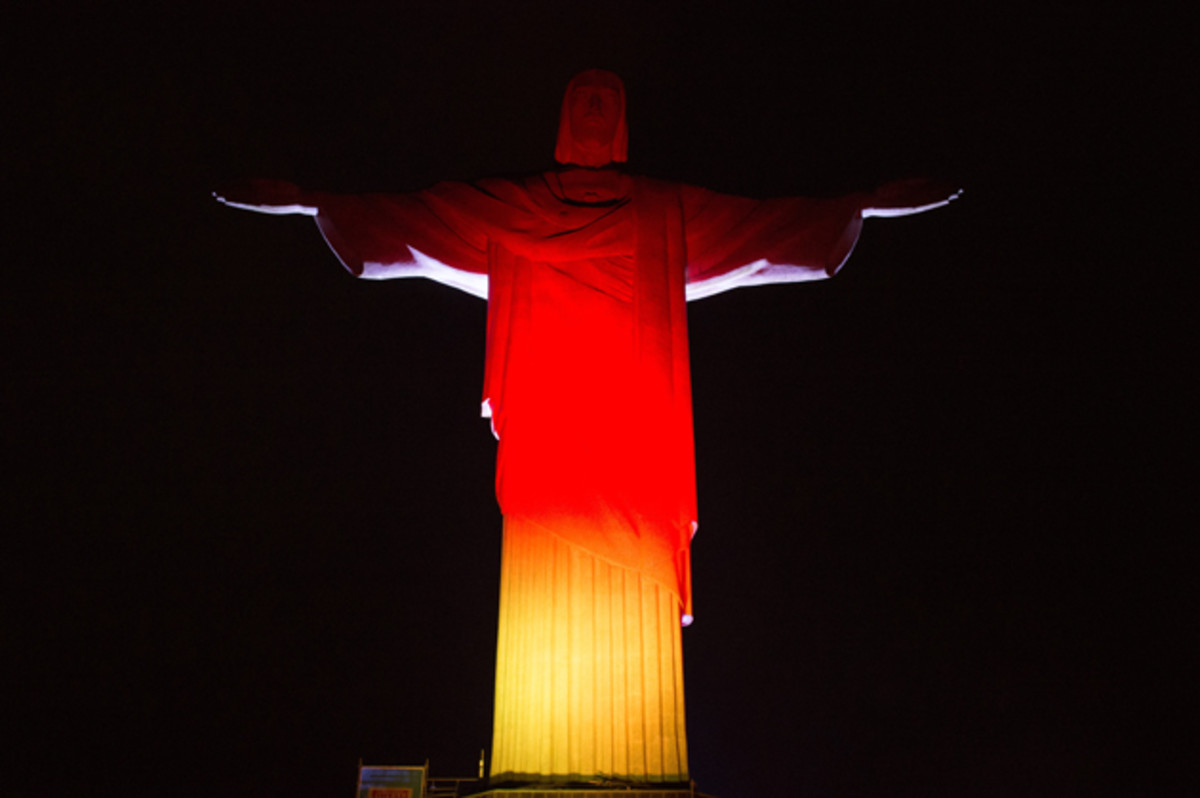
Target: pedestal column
<point x="589" y="668"/>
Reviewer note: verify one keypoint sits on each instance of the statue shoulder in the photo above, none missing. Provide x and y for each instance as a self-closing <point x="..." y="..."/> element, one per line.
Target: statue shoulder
<point x="652" y="186"/>
<point x="482" y="194"/>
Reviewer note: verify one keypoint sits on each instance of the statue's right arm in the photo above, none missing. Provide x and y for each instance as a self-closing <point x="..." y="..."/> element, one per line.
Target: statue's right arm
<point x="276" y="197"/>
<point x="431" y="234"/>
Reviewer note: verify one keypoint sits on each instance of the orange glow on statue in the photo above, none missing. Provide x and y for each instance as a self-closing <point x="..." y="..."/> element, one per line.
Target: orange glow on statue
<point x="587" y="271"/>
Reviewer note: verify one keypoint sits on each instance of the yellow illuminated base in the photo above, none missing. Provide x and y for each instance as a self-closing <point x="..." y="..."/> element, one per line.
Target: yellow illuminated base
<point x="589" y="668"/>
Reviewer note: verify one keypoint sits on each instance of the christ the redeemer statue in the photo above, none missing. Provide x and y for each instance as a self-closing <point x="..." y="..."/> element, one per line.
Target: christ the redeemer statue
<point x="586" y="271"/>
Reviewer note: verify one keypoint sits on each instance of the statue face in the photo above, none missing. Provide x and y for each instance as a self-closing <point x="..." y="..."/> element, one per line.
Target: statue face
<point x="592" y="130"/>
<point x="595" y="111"/>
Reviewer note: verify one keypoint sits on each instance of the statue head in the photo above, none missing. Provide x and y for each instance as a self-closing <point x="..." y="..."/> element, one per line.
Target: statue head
<point x="592" y="129"/>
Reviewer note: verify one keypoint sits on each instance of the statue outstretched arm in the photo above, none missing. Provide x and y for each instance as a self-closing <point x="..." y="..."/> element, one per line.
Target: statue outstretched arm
<point x="905" y="197"/>
<point x="733" y="242"/>
<point x="276" y="197"/>
<point x="383" y="236"/>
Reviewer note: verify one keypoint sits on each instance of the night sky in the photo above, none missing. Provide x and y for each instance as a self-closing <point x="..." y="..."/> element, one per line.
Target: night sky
<point x="252" y="533"/>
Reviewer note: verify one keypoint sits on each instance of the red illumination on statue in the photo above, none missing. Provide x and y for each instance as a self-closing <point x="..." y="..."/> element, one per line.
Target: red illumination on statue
<point x="586" y="271"/>
<point x="592" y="130"/>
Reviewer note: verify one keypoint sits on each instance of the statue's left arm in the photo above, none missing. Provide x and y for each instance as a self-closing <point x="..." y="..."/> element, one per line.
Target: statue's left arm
<point x="734" y="241"/>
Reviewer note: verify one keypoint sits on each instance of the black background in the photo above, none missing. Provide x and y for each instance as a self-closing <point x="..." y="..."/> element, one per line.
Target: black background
<point x="252" y="533"/>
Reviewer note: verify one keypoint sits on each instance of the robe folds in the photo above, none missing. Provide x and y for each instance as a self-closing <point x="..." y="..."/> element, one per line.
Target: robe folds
<point x="587" y="377"/>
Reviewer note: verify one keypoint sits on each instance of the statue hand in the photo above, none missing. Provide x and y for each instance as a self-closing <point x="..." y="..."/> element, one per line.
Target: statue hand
<point x="903" y="197"/>
<point x="267" y="196"/>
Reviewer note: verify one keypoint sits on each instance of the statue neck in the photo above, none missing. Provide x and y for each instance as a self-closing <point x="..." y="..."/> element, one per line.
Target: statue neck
<point x="589" y="186"/>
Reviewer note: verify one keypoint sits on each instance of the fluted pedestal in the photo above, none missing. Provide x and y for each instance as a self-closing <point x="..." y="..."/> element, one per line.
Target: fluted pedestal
<point x="589" y="669"/>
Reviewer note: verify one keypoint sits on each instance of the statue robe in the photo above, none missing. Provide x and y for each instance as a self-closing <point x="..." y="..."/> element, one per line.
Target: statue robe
<point x="587" y="380"/>
<point x="588" y="390"/>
